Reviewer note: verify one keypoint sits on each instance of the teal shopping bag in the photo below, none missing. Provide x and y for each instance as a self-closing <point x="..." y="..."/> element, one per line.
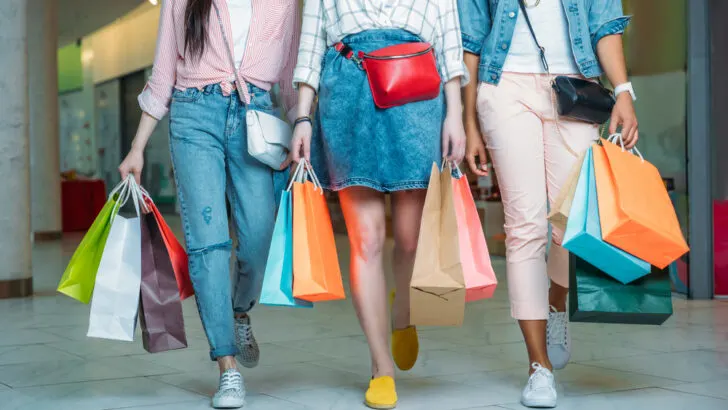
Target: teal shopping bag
<point x="583" y="236"/>
<point x="278" y="280"/>
<point x="596" y="297"/>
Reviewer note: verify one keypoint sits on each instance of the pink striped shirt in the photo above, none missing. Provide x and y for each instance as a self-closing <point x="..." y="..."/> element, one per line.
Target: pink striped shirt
<point x="270" y="53"/>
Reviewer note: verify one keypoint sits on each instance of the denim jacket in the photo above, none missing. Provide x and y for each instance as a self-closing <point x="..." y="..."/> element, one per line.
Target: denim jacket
<point x="488" y="25"/>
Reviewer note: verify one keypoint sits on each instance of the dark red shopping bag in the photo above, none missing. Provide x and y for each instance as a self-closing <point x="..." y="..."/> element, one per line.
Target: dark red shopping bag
<point x="176" y="252"/>
<point x="160" y="310"/>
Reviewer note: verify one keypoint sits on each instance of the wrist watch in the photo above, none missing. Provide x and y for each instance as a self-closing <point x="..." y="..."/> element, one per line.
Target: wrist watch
<point x="626" y="87"/>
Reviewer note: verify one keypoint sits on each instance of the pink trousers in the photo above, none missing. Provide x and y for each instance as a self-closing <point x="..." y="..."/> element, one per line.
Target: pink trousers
<point x="532" y="154"/>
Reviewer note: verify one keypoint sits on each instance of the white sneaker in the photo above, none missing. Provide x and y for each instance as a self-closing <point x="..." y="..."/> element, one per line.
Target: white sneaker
<point x="540" y="392"/>
<point x="248" y="351"/>
<point x="231" y="393"/>
<point x="558" y="339"/>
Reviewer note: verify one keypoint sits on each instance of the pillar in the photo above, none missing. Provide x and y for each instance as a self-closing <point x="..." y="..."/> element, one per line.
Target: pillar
<point x="15" y="249"/>
<point x="45" y="178"/>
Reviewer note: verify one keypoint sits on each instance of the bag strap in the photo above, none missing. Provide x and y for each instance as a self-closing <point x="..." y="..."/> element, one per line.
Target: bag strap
<point x="230" y="55"/>
<point x="541" y="50"/>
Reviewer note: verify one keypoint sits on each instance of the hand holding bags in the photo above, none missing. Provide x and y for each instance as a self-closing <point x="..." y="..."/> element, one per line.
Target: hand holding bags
<point x="116" y="293"/>
<point x="635" y="210"/>
<point x="583" y="235"/>
<point x="160" y="312"/>
<point x="480" y="280"/>
<point x="316" y="273"/>
<point x="277" y="287"/>
<point x="437" y="290"/>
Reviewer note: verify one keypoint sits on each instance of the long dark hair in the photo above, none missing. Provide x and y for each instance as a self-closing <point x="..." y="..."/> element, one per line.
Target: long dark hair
<point x="197" y="15"/>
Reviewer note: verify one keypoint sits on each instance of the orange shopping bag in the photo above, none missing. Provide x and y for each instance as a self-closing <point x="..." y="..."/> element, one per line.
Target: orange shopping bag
<point x="635" y="210"/>
<point x="480" y="281"/>
<point x="316" y="272"/>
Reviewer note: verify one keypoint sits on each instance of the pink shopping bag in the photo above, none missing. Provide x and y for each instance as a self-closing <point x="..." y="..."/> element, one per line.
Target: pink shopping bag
<point x="480" y="280"/>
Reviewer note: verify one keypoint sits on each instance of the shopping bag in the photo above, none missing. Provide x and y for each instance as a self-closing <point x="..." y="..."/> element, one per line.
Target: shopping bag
<point x="437" y="289"/>
<point x="480" y="280"/>
<point x="583" y="236"/>
<point x="277" y="287"/>
<point x="561" y="207"/>
<point x="160" y="307"/>
<point x="597" y="298"/>
<point x="116" y="293"/>
<point x="316" y="272"/>
<point x="80" y="275"/>
<point x="635" y="210"/>
<point x="177" y="253"/>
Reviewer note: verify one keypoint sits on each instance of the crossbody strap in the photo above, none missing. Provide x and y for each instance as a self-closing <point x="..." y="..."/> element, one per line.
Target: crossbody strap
<point x="541" y="50"/>
<point x="230" y="55"/>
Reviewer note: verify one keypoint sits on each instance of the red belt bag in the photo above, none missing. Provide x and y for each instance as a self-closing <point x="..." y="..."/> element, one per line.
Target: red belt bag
<point x="398" y="74"/>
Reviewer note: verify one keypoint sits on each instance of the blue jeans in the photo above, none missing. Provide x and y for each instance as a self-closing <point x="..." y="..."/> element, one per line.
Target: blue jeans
<point x="210" y="157"/>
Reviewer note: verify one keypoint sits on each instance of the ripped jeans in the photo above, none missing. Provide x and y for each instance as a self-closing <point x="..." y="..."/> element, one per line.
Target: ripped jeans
<point x="210" y="156"/>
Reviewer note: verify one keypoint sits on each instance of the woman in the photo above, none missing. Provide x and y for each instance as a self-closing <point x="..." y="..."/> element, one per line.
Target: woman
<point x="365" y="152"/>
<point x="532" y="150"/>
<point x="193" y="78"/>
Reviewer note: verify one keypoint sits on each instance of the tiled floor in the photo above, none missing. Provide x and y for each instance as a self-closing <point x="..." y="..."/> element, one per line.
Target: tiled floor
<point x="318" y="359"/>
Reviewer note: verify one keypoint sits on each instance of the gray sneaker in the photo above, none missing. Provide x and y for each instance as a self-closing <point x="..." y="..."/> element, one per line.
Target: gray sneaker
<point x="248" y="352"/>
<point x="558" y="339"/>
<point x="231" y="393"/>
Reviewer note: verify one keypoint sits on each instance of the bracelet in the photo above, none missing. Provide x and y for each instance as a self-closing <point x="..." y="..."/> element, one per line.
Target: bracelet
<point x="302" y="119"/>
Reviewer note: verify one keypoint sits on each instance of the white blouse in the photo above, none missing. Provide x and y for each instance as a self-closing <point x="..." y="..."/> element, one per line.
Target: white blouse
<point x="240" y="13"/>
<point x="326" y="22"/>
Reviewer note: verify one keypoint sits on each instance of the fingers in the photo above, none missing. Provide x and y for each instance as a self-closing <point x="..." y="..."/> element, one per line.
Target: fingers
<point x="286" y="163"/>
<point x="614" y="122"/>
<point x="307" y="149"/>
<point x="296" y="150"/>
<point x="483" y="161"/>
<point x="628" y="133"/>
<point x="138" y="176"/>
<point x="123" y="172"/>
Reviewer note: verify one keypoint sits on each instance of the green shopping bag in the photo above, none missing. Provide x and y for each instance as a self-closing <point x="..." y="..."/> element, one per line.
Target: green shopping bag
<point x="596" y="297"/>
<point x="80" y="275"/>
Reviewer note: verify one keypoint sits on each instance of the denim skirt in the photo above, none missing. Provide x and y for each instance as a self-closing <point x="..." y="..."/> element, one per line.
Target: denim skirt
<point x="355" y="143"/>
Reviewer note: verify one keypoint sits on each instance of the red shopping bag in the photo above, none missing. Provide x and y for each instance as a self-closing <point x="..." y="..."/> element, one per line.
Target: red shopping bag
<point x="177" y="253"/>
<point x="480" y="280"/>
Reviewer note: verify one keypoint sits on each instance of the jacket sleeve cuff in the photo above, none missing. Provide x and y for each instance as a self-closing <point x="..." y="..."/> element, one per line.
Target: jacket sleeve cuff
<point x="306" y="76"/>
<point x="151" y="105"/>
<point x="471" y="44"/>
<point x="614" y="26"/>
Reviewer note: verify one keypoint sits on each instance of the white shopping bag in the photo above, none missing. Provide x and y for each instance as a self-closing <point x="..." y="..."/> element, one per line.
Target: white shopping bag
<point x="116" y="294"/>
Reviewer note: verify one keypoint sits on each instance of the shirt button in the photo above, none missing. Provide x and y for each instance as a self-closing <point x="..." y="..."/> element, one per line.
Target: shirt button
<point x="504" y="46"/>
<point x="512" y="14"/>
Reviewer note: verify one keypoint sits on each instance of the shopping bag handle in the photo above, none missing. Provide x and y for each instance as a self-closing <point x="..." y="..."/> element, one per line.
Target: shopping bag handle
<point x="454" y="168"/>
<point x="304" y="171"/>
<point x="617" y="137"/>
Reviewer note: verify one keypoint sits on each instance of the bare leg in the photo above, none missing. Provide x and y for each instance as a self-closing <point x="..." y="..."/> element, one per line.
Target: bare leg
<point x="226" y="363"/>
<point x="363" y="210"/>
<point x="406" y="216"/>
<point x="534" y="333"/>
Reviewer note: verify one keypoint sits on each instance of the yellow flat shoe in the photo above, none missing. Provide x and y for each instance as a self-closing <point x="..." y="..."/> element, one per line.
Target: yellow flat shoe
<point x="405" y="345"/>
<point x="381" y="393"/>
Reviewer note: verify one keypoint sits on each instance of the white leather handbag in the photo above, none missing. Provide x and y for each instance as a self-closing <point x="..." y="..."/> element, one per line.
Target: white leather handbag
<point x="269" y="137"/>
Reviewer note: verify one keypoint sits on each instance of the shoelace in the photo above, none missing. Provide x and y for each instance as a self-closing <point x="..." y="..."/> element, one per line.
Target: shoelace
<point x="230" y="383"/>
<point x="245" y="333"/>
<point x="540" y="377"/>
<point x="556" y="331"/>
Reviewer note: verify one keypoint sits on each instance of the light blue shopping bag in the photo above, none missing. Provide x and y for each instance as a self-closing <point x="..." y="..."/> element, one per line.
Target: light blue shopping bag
<point x="278" y="280"/>
<point x="583" y="236"/>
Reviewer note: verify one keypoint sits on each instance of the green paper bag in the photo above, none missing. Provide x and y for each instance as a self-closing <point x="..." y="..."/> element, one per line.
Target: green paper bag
<point x="596" y="297"/>
<point x="80" y="274"/>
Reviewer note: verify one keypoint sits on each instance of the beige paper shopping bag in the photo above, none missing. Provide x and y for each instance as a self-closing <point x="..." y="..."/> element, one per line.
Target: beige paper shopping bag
<point x="559" y="214"/>
<point x="437" y="290"/>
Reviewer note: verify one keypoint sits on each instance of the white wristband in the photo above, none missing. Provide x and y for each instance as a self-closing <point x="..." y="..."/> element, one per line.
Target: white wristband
<point x="626" y="87"/>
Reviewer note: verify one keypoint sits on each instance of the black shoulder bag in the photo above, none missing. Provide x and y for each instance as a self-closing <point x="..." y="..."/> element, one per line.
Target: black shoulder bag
<point x="576" y="98"/>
